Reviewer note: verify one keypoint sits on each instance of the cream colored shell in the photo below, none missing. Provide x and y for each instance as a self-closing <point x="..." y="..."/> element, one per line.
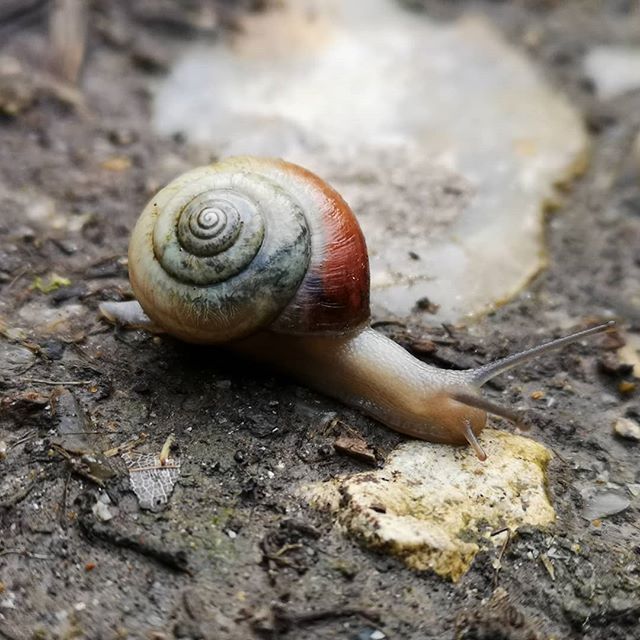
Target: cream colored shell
<point x="204" y="260"/>
<point x="248" y="244"/>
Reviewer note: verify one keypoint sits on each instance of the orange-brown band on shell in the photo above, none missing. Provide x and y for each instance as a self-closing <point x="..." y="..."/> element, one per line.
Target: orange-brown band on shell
<point x="337" y="294"/>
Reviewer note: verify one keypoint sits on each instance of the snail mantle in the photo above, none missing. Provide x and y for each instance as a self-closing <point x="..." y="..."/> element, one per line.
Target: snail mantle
<point x="436" y="507"/>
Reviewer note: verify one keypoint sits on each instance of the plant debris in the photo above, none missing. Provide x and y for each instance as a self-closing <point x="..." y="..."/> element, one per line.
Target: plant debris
<point x="356" y="447"/>
<point x="140" y="543"/>
<point x="52" y="283"/>
<point x="152" y="478"/>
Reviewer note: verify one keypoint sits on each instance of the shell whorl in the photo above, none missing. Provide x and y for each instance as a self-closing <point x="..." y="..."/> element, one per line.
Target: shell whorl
<point x="235" y="247"/>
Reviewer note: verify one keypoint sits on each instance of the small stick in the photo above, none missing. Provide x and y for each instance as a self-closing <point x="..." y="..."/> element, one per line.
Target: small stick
<point x="166" y="449"/>
<point x="62" y="383"/>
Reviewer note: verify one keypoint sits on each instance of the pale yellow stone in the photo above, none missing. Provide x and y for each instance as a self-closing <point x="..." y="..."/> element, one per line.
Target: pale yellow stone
<point x="436" y="506"/>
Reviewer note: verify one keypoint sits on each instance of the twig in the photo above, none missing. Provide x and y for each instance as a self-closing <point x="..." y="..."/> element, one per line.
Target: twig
<point x="22" y="440"/>
<point x="127" y="446"/>
<point x="62" y="383"/>
<point x="173" y="559"/>
<point x="76" y="466"/>
<point x="17" y="277"/>
<point x="277" y="556"/>
<point x="285" y="620"/>
<point x="85" y="433"/>
<point x="287" y="547"/>
<point x="557" y="455"/>
<point x="503" y="548"/>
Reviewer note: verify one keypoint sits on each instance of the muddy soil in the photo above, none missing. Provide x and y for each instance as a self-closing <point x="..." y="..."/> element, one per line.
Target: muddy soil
<point x="237" y="553"/>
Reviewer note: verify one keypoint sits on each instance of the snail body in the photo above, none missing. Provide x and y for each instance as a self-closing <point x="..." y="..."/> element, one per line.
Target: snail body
<point x="266" y="258"/>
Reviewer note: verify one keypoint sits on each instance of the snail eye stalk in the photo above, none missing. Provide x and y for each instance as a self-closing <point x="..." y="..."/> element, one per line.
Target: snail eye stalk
<point x="481" y="375"/>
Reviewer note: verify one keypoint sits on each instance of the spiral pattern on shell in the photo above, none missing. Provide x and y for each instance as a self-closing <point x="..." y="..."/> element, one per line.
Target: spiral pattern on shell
<point x="209" y="225"/>
<point x="235" y="247"/>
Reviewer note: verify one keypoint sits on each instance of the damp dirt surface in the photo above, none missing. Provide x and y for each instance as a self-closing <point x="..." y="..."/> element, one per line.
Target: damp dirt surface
<point x="237" y="553"/>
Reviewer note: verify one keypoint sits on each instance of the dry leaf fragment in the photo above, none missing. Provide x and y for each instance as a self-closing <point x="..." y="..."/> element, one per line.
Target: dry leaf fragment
<point x="152" y="481"/>
<point x="356" y="447"/>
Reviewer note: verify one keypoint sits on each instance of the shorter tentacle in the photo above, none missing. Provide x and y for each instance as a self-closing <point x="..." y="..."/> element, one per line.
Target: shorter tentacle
<point x="517" y="417"/>
<point x="473" y="441"/>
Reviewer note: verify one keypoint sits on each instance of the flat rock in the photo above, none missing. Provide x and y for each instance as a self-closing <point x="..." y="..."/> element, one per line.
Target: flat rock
<point x="46" y="320"/>
<point x="15" y="358"/>
<point x="436" y="506"/>
<point x="601" y="504"/>
<point x="444" y="138"/>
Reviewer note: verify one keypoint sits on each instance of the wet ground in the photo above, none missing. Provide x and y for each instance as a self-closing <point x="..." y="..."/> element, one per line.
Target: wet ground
<point x="237" y="553"/>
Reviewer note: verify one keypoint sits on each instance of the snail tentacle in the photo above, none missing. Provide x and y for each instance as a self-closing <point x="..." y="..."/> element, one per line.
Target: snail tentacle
<point x="478" y="402"/>
<point x="473" y="441"/>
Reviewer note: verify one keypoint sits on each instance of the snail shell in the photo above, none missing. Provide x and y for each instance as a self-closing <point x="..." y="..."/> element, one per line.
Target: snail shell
<point x="231" y="248"/>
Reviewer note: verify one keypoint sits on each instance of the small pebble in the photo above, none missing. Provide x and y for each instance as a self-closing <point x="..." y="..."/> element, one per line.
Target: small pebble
<point x="614" y="70"/>
<point x="116" y="164"/>
<point x="634" y="489"/>
<point x="605" y="503"/>
<point x="627" y="429"/>
<point x="101" y="511"/>
<point x="367" y="633"/>
<point x="15" y="359"/>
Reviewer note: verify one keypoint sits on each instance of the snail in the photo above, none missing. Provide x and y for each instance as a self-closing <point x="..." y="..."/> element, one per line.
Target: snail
<point x="265" y="257"/>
